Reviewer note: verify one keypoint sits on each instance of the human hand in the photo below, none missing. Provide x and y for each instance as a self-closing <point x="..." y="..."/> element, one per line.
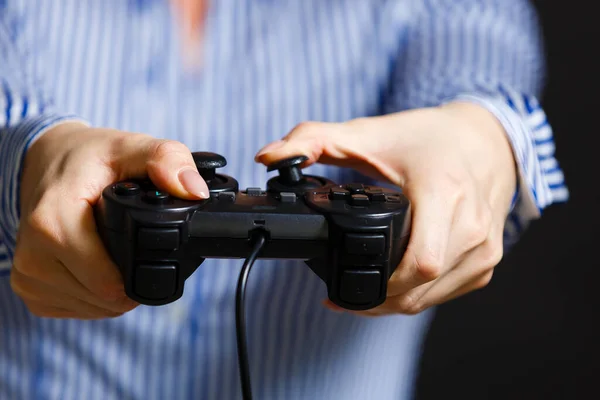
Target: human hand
<point x="455" y="165"/>
<point x="61" y="268"/>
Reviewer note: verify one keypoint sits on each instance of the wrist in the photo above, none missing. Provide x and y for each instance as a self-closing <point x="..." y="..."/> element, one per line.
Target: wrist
<point x="53" y="139"/>
<point x="44" y="154"/>
<point x="490" y="141"/>
<point x="14" y="147"/>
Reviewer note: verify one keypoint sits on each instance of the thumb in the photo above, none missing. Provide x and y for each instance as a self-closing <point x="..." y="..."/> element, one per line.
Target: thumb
<point x="318" y="141"/>
<point x="169" y="164"/>
<point x="353" y="144"/>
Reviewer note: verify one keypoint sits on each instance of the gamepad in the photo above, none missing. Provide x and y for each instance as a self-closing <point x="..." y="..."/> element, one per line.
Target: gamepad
<point x="352" y="236"/>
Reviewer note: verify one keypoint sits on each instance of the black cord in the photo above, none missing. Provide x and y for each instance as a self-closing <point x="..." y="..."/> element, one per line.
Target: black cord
<point x="259" y="239"/>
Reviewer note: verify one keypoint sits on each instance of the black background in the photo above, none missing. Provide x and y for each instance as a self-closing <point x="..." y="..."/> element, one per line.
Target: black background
<point x="530" y="334"/>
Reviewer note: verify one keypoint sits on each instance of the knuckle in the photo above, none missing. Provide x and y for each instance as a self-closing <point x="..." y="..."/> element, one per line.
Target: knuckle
<point x="485" y="217"/>
<point x="124" y="306"/>
<point x="120" y="140"/>
<point x="492" y="253"/>
<point x="307" y="130"/>
<point x="109" y="291"/>
<point x="43" y="227"/>
<point x="38" y="220"/>
<point x="484" y="280"/>
<point x="409" y="305"/>
<point x="112" y="158"/>
<point x="24" y="267"/>
<point x="428" y="265"/>
<point x="453" y="188"/>
<point x="477" y="234"/>
<point x="478" y="229"/>
<point x="396" y="277"/>
<point x="18" y="262"/>
<point x="306" y="127"/>
<point x="30" y="269"/>
<point x="167" y="148"/>
<point x="17" y="285"/>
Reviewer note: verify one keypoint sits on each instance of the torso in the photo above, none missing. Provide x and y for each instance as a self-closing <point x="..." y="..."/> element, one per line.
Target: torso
<point x="268" y="66"/>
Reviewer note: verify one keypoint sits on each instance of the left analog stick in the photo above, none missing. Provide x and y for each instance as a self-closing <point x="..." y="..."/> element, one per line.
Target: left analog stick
<point x="207" y="163"/>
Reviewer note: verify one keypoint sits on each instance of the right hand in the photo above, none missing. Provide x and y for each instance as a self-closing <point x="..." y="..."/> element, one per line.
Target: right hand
<point x="61" y="268"/>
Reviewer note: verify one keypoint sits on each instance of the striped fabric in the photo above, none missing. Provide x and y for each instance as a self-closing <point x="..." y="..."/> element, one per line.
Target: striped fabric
<point x="269" y="65"/>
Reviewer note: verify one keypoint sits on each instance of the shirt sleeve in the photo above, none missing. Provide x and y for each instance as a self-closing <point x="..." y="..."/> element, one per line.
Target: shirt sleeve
<point x="488" y="52"/>
<point x="26" y="112"/>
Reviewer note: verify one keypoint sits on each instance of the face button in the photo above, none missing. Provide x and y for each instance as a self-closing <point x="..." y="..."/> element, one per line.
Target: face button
<point x="356" y="188"/>
<point x="156" y="196"/>
<point x="375" y="195"/>
<point x="338" y="193"/>
<point x="393" y="199"/>
<point x="359" y="200"/>
<point x="127" y="189"/>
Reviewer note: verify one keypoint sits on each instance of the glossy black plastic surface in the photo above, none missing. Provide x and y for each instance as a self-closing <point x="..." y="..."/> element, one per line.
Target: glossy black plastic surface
<point x="352" y="236"/>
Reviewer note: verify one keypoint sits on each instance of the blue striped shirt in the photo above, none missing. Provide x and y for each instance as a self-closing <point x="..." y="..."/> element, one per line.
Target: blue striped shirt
<point x="269" y="65"/>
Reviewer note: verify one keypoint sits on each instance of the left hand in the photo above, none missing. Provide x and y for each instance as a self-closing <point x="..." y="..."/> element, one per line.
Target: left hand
<point x="456" y="166"/>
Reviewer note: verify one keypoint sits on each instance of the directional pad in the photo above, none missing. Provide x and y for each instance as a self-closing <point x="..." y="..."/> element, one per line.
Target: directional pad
<point x="359" y="200"/>
<point x="338" y="193"/>
<point x="356" y="188"/>
<point x="375" y="195"/>
<point x="356" y="194"/>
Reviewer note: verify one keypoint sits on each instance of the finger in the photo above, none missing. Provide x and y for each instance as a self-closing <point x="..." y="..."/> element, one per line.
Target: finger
<point x="339" y="144"/>
<point x="425" y="257"/>
<point x="86" y="258"/>
<point x="42" y="267"/>
<point x="169" y="164"/>
<point x="473" y="225"/>
<point x="68" y="229"/>
<point x="311" y="139"/>
<point x="473" y="273"/>
<point x="33" y="291"/>
<point x="40" y="309"/>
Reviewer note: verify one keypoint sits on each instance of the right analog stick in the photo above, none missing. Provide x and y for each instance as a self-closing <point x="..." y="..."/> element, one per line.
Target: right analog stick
<point x="291" y="178"/>
<point x="289" y="169"/>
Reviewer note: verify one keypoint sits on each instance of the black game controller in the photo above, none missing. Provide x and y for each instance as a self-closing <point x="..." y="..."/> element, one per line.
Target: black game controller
<point x="352" y="236"/>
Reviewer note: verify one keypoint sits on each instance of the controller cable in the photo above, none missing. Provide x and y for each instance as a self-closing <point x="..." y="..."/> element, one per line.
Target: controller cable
<point x="258" y="239"/>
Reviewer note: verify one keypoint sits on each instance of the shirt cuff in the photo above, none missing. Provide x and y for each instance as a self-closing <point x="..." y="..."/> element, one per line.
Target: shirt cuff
<point x="540" y="181"/>
<point x="14" y="143"/>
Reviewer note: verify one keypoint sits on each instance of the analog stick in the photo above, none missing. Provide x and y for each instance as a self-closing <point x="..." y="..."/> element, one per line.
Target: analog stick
<point x="291" y="177"/>
<point x="207" y="163"/>
<point x="289" y="170"/>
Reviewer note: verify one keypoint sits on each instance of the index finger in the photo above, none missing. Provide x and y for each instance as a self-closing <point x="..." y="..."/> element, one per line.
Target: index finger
<point x="425" y="256"/>
<point x="85" y="255"/>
